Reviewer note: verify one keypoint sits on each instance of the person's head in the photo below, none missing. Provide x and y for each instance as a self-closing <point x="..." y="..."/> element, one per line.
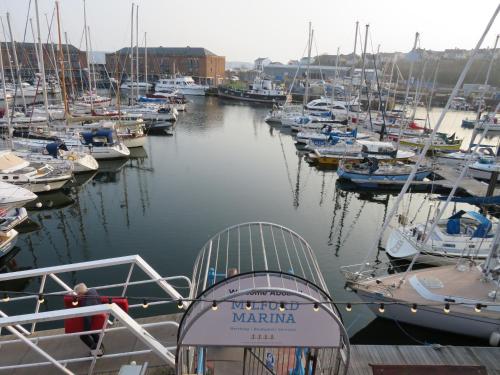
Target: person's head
<point x="232" y="272"/>
<point x="80" y="289"/>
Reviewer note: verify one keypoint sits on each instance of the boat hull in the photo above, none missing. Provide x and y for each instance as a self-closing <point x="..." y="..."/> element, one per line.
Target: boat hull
<point x="432" y="317"/>
<point x="250" y="97"/>
<point x="133" y="142"/>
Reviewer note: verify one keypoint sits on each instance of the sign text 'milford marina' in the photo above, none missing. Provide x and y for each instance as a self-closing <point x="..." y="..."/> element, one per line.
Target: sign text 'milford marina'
<point x="263" y="312"/>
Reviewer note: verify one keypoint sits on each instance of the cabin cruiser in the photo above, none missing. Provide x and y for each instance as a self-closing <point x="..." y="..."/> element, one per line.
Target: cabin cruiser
<point x="339" y="109"/>
<point x="153" y="112"/>
<point x="14" y="196"/>
<point x="183" y="84"/>
<point x="464" y="234"/>
<point x="36" y="177"/>
<point x="262" y="90"/>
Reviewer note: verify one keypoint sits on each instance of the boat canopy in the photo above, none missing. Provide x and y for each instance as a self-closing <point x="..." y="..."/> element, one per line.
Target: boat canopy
<point x="482" y="229"/>
<point x="98" y="138"/>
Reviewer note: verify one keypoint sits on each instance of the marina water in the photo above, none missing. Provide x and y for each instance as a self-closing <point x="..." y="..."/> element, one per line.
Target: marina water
<point x="222" y="165"/>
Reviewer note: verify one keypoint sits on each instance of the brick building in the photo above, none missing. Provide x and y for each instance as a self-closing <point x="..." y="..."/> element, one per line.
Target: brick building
<point x="199" y="63"/>
<point x="28" y="61"/>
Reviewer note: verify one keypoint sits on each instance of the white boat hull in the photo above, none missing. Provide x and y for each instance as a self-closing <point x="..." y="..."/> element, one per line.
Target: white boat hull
<point x="472" y="324"/>
<point x="7" y="242"/>
<point x="44" y="186"/>
<point x="133" y="142"/>
<point x="112" y="152"/>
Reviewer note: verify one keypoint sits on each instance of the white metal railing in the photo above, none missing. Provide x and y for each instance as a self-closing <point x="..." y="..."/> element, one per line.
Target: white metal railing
<point x="164" y="353"/>
<point x="54" y="273"/>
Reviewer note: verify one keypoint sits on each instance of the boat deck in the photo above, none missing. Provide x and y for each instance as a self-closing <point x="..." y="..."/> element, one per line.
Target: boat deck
<point x="448" y="281"/>
<point x="228" y="361"/>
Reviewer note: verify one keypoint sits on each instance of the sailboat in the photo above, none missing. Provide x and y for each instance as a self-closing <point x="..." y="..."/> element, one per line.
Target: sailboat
<point x="465" y="234"/>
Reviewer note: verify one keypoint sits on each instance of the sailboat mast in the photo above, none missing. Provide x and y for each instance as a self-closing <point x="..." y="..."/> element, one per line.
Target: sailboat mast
<point x="61" y="61"/>
<point x="42" y="66"/>
<point x="349" y="99"/>
<point x="6" y="101"/>
<point x="91" y="51"/>
<point x="306" y="93"/>
<point x="16" y="62"/>
<point x="137" y="47"/>
<point x="146" y="61"/>
<point x="87" y="53"/>
<point x="69" y="65"/>
<point x="131" y="77"/>
<point x="335" y="75"/>
<point x="52" y="52"/>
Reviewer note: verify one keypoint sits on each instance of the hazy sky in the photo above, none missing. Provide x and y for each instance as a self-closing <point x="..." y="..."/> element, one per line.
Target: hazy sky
<point x="243" y="31"/>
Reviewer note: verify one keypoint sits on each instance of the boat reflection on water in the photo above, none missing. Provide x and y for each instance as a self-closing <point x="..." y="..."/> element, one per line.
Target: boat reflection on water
<point x="9" y="264"/>
<point x="52" y="200"/>
<point x="109" y="171"/>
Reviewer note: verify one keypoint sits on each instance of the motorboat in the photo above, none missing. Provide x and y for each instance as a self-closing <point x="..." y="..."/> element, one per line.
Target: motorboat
<point x="14" y="196"/>
<point x="319" y="139"/>
<point x="9" y="219"/>
<point x="372" y="173"/>
<point x="262" y="90"/>
<point x="36" y="177"/>
<point x="132" y="134"/>
<point x="185" y="85"/>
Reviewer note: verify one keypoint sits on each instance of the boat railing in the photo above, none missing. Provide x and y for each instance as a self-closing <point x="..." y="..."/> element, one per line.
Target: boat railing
<point x="41" y="344"/>
<point x="55" y="274"/>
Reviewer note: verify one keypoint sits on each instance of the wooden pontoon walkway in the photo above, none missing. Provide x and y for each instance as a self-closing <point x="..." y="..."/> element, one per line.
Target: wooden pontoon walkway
<point x="122" y="341"/>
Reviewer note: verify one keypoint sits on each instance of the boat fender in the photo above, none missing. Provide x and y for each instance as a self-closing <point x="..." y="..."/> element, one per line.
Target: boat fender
<point x="71" y="157"/>
<point x="495" y="338"/>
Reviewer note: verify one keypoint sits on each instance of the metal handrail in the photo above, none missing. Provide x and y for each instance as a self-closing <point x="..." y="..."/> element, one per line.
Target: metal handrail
<point x="114" y="310"/>
<point x="133" y="260"/>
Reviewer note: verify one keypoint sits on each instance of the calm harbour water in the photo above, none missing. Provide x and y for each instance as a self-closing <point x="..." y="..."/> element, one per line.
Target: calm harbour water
<point x="224" y="165"/>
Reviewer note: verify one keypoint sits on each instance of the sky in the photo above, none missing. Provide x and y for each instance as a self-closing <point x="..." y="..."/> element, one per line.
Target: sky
<point x="245" y="30"/>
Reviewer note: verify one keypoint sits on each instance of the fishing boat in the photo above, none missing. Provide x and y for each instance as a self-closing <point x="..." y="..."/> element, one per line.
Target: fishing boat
<point x="372" y="173"/>
<point x="260" y="91"/>
<point x="14" y="196"/>
<point x="466" y="234"/>
<point x="36" y="177"/>
<point x="442" y="142"/>
<point x="185" y="85"/>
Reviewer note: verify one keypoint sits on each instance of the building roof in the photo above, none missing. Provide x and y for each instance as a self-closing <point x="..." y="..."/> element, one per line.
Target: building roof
<point x="21" y="45"/>
<point x="172" y="51"/>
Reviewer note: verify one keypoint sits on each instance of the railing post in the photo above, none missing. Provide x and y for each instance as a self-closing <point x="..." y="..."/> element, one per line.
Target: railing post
<point x="99" y="344"/>
<point x="128" y="279"/>
<point x="37" y="308"/>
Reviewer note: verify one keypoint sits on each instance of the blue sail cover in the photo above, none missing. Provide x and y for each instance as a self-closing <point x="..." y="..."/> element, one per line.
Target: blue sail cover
<point x="88" y="137"/>
<point x="482" y="230"/>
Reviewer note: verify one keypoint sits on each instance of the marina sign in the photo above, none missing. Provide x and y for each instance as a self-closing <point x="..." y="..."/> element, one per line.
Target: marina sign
<point x="262" y="310"/>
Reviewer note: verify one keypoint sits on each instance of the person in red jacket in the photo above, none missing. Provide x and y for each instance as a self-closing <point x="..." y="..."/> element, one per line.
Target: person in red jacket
<point x="89" y="297"/>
